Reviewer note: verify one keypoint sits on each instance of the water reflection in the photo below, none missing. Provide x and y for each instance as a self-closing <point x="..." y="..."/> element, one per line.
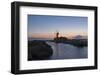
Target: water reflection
<point x="67" y="51"/>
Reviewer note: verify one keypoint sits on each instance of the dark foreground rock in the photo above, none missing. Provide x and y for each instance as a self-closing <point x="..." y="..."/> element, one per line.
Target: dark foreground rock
<point x="39" y="50"/>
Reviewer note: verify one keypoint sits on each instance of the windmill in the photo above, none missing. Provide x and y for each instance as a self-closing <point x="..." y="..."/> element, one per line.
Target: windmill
<point x="57" y="34"/>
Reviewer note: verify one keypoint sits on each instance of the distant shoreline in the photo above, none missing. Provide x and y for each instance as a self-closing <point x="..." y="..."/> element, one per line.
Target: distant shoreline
<point x="75" y="42"/>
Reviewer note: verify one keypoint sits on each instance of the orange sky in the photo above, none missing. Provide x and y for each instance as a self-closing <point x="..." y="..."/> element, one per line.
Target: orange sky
<point x="52" y="35"/>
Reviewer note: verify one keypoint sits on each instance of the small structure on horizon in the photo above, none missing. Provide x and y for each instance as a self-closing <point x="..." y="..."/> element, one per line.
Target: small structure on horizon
<point x="57" y="34"/>
<point x="60" y="39"/>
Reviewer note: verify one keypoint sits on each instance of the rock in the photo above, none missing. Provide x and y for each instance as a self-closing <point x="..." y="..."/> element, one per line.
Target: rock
<point x="39" y="50"/>
<point x="60" y="39"/>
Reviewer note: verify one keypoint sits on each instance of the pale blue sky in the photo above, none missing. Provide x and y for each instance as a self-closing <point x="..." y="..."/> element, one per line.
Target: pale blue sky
<point x="48" y="24"/>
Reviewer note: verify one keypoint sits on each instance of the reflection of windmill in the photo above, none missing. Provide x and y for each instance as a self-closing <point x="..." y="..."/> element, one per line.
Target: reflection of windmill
<point x="57" y="48"/>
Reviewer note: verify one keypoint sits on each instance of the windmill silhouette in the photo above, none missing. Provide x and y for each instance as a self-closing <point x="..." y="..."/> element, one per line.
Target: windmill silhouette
<point x="57" y="34"/>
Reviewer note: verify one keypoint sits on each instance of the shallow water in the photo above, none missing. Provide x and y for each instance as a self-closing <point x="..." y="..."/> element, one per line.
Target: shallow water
<point x="67" y="51"/>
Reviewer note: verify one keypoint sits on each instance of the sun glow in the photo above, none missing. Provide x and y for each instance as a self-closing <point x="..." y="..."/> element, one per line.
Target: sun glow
<point x="52" y="35"/>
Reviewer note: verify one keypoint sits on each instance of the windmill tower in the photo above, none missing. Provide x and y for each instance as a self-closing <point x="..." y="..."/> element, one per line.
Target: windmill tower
<point x="57" y="34"/>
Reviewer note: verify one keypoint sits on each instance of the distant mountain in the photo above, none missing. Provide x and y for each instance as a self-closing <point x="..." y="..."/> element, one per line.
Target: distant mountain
<point x="79" y="37"/>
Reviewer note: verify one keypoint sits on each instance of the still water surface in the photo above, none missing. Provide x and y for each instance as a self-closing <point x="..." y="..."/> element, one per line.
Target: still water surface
<point x="67" y="51"/>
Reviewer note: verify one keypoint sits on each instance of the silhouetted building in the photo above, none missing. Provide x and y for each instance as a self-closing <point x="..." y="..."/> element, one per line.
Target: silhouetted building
<point x="57" y="34"/>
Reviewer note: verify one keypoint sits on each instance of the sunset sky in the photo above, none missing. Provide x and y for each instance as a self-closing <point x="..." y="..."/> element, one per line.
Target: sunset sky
<point x="45" y="26"/>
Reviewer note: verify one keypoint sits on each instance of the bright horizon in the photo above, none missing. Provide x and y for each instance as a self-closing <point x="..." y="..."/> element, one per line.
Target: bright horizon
<point x="52" y="35"/>
<point x="44" y="26"/>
